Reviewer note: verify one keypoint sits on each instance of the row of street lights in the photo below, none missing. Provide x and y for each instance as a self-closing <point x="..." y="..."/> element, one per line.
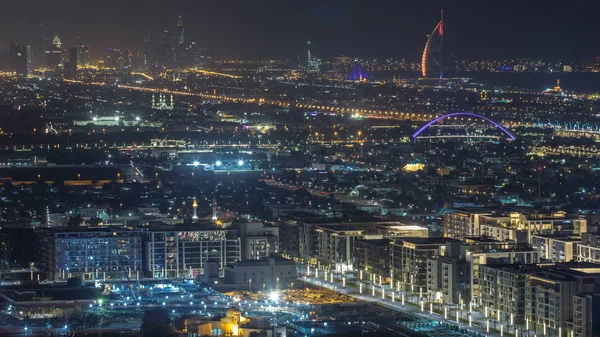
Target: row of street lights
<point x="377" y="279"/>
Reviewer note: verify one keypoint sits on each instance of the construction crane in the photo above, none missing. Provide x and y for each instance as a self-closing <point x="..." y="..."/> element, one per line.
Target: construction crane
<point x="133" y="295"/>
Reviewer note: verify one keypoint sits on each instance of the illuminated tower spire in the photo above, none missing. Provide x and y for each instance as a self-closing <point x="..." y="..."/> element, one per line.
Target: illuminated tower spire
<point x="179" y="41"/>
<point x="195" y="207"/>
<point x="432" y="59"/>
<point x="180" y="31"/>
<point x="56" y="41"/>
<point x="441" y="33"/>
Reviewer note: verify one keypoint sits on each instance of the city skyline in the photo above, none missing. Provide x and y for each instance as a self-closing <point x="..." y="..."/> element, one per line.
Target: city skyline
<point x="271" y="29"/>
<point x="299" y="168"/>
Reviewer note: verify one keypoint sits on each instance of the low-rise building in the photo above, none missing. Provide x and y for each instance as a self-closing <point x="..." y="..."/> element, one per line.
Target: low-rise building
<point x="448" y="280"/>
<point x="257" y="239"/>
<point x="335" y="245"/>
<point x="556" y="248"/>
<point x="549" y="297"/>
<point x="373" y="257"/>
<point x="230" y="325"/>
<point x="502" y="292"/>
<point x="289" y="238"/>
<point x="409" y="261"/>
<point x="273" y="272"/>
<point x="479" y="251"/>
<point x="184" y="253"/>
<point x="555" y="223"/>
<point x="459" y="223"/>
<point x="504" y="232"/>
<point x="588" y="250"/>
<point x="95" y="254"/>
<point x="586" y="315"/>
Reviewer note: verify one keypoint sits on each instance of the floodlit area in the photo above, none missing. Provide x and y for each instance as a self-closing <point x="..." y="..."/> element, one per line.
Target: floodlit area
<point x="297" y="296"/>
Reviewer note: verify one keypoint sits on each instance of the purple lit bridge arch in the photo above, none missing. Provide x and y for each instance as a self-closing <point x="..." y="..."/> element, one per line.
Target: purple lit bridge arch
<point x="424" y="127"/>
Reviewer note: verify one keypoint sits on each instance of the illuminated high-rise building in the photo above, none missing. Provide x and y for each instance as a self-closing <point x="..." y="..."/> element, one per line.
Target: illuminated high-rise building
<point x="432" y="64"/>
<point x="180" y="43"/>
<point x="3" y="59"/>
<point x="151" y="57"/>
<point x="165" y="49"/>
<point x="83" y="55"/>
<point x="180" y="31"/>
<point x="202" y="58"/>
<point x="313" y="64"/>
<point x="32" y="58"/>
<point x="54" y="54"/>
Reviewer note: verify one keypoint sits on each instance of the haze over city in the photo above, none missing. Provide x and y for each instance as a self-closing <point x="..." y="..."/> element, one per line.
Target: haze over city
<point x="275" y="29"/>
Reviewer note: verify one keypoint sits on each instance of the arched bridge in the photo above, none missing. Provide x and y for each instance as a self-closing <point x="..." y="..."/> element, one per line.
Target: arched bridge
<point x="469" y="114"/>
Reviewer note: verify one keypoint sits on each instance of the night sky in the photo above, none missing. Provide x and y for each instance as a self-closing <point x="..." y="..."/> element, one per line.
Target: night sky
<point x="273" y="29"/>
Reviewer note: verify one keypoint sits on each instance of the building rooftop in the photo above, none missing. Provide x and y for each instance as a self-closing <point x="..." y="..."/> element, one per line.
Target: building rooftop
<point x="406" y="227"/>
<point x="480" y="238"/>
<point x="559" y="237"/>
<point x="567" y="271"/>
<point x="375" y="242"/>
<point x="339" y="228"/>
<point x="587" y="270"/>
<point x="474" y="210"/>
<point x="425" y="241"/>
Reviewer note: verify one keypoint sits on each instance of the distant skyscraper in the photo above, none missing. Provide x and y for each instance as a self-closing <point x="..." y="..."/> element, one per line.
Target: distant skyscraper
<point x="313" y="64"/>
<point x="17" y="59"/>
<point x="71" y="64"/>
<point x="202" y="57"/>
<point x="31" y="56"/>
<point x="151" y="57"/>
<point x="3" y="59"/>
<point x="180" y="31"/>
<point x="180" y="43"/>
<point x="54" y="54"/>
<point x="165" y="49"/>
<point x="432" y="64"/>
<point x="83" y="55"/>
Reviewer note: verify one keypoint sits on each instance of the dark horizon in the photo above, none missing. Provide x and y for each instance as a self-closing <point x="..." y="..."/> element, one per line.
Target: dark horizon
<point x="278" y="29"/>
